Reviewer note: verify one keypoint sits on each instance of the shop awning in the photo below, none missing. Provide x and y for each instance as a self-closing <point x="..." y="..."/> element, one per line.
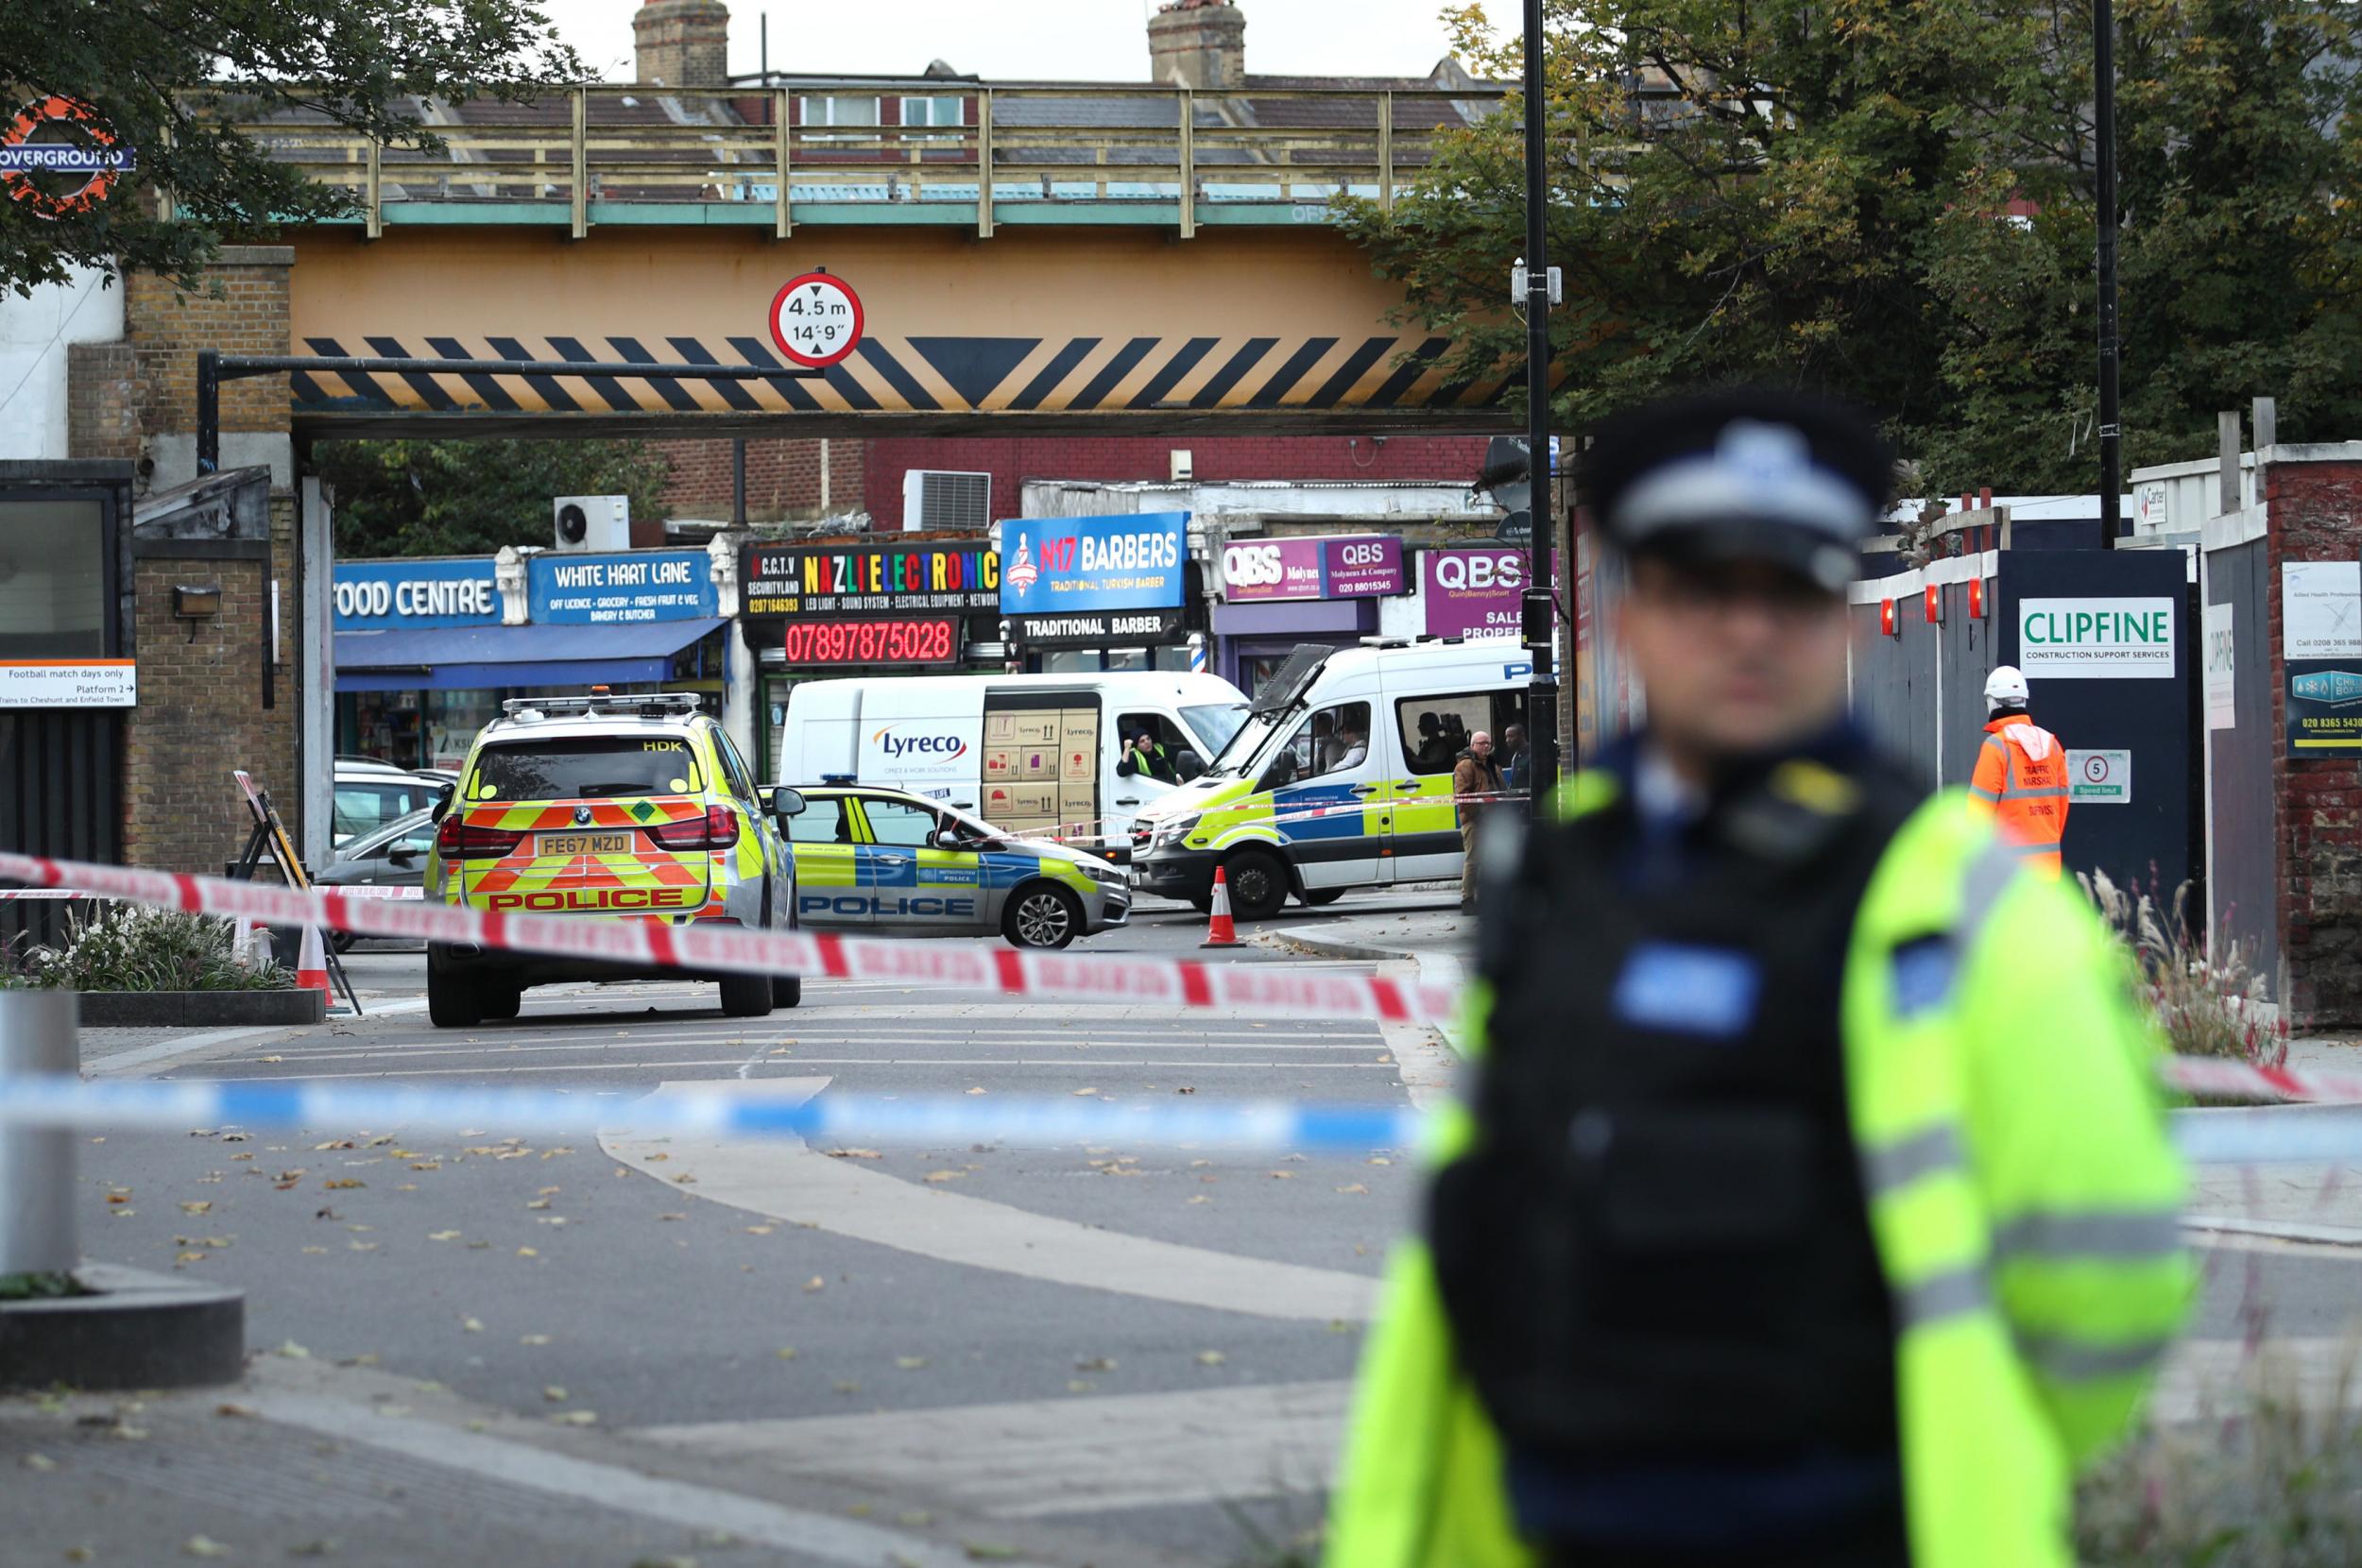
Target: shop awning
<point x="483" y="659"/>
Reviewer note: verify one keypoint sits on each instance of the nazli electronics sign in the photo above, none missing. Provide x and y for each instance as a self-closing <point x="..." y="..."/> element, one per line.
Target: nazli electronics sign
<point x="2095" y="638"/>
<point x="863" y="580"/>
<point x="646" y="585"/>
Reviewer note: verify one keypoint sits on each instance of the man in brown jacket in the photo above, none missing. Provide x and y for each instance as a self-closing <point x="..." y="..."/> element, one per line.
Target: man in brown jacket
<point x="1474" y="774"/>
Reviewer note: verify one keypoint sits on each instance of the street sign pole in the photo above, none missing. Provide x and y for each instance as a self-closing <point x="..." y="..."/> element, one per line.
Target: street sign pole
<point x="1542" y="705"/>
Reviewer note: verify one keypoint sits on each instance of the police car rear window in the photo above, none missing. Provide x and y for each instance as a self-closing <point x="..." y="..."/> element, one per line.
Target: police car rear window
<point x="593" y="768"/>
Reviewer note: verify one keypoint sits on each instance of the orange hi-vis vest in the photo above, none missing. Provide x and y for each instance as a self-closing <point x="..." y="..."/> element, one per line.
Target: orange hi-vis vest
<point x="2021" y="779"/>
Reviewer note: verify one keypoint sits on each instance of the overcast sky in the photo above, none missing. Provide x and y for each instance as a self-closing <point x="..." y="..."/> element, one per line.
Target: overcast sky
<point x="1019" y="39"/>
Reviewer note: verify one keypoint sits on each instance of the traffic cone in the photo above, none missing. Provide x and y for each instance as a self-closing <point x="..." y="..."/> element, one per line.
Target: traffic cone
<point x="1220" y="932"/>
<point x="312" y="965"/>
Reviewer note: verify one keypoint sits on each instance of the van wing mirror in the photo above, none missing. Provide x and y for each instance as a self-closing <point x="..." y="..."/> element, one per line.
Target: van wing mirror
<point x="442" y="802"/>
<point x="786" y="802"/>
<point x="1189" y="765"/>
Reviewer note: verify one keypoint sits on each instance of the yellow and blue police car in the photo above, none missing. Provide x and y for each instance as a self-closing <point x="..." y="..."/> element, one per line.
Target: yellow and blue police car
<point x="871" y="859"/>
<point x="633" y="807"/>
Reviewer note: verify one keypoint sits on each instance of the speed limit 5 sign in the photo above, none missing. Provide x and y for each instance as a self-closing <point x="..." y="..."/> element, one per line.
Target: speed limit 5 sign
<point x="816" y="320"/>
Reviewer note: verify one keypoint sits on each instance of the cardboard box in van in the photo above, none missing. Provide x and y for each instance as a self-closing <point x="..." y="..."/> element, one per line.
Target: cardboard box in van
<point x="1000" y="729"/>
<point x="1076" y="804"/>
<point x="1038" y="764"/>
<point x="1034" y="727"/>
<point x="1008" y="803"/>
<point x="1078" y="763"/>
<point x="1001" y="764"/>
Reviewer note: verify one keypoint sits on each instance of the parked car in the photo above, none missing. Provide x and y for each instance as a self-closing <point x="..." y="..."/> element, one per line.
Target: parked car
<point x="370" y="795"/>
<point x="392" y="856"/>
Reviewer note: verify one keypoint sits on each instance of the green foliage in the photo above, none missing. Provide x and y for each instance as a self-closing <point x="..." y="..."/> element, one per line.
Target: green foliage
<point x="1899" y="208"/>
<point x="465" y="498"/>
<point x="38" y="1288"/>
<point x="128" y="947"/>
<point x="171" y="77"/>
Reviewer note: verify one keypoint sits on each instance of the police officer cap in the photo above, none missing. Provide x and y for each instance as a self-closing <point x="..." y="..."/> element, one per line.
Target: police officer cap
<point x="1753" y="474"/>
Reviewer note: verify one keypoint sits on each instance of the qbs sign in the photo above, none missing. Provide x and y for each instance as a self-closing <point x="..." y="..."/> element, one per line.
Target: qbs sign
<point x="2095" y="638"/>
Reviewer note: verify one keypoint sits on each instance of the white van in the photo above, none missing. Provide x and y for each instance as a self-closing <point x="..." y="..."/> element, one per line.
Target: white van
<point x="1026" y="753"/>
<point x="1366" y="737"/>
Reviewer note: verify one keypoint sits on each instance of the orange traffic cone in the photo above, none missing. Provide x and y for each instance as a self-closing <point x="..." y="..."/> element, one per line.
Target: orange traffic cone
<point x="1220" y="932"/>
<point x="312" y="965"/>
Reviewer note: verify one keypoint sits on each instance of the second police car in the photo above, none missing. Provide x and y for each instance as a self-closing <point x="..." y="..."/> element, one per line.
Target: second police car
<point x="874" y="858"/>
<point x="604" y="808"/>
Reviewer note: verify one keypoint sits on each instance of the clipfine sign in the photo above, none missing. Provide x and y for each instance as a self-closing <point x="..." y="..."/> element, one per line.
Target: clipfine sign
<point x="2095" y="638"/>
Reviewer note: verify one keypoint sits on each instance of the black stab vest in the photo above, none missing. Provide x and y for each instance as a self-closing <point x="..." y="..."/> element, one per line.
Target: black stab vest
<point x="1658" y="1243"/>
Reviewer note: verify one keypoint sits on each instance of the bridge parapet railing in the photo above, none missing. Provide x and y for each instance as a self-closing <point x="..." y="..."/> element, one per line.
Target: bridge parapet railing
<point x="1164" y="154"/>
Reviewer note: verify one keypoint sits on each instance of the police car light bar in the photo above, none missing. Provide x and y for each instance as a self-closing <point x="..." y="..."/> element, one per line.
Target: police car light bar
<point x="600" y="701"/>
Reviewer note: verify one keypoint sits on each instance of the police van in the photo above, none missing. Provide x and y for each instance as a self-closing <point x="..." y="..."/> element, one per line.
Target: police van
<point x="1038" y="755"/>
<point x="1339" y="778"/>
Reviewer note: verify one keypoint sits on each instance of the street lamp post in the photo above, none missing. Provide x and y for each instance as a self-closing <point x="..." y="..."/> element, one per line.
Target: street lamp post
<point x="1542" y="705"/>
<point x="2104" y="154"/>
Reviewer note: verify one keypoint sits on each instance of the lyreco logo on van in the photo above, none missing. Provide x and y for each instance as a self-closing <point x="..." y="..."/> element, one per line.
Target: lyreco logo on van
<point x="937" y="746"/>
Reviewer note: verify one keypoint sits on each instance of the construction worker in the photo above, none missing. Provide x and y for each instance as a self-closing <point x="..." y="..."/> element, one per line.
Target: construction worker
<point x="2021" y="777"/>
<point x="1812" y="1204"/>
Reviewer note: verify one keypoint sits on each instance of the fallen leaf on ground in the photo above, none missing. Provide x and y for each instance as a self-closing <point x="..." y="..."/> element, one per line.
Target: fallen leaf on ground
<point x="233" y="1410"/>
<point x="1080" y="1093"/>
<point x="528" y="1251"/>
<point x="473" y="1326"/>
<point x="361" y="1246"/>
<point x="442" y="1236"/>
<point x="198" y="1545"/>
<point x="848" y="1387"/>
<point x="759" y="1230"/>
<point x="672" y="1217"/>
<point x="38" y="1461"/>
<point x="538" y="1203"/>
<point x="1283" y="1175"/>
<point x="815" y="1282"/>
<point x="941" y="1176"/>
<point x="1201" y="1197"/>
<point x="786" y="1352"/>
<point x="854" y="1155"/>
<point x="576" y="1417"/>
<point x="270" y="1058"/>
<point x="1079" y="1385"/>
<point x="1353" y="1186"/>
<point x="341" y="1184"/>
<point x="554" y="1394"/>
<point x="1096" y="1363"/>
<point x="197" y="1207"/>
<point x="320" y="1249"/>
<point x="1380" y="1159"/>
<point x="533" y="1339"/>
<point x="988" y="1552"/>
<point x="1210" y="1358"/>
<point x="910" y="1363"/>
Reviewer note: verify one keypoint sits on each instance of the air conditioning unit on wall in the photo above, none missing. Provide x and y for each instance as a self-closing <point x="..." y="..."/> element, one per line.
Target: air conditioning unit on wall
<point x="590" y="522"/>
<point x="938" y="500"/>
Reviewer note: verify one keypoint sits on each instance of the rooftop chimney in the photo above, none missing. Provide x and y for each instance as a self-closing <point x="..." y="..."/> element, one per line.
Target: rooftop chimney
<point x="682" y="43"/>
<point x="1199" y="43"/>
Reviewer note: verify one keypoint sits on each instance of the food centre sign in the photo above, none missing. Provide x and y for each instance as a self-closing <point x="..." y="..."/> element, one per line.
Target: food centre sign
<point x="2095" y="638"/>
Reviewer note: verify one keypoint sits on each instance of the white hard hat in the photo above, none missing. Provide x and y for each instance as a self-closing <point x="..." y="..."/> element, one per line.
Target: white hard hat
<point x="2005" y="687"/>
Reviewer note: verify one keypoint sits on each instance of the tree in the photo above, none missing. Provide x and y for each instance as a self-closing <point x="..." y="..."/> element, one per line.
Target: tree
<point x="470" y="497"/>
<point x="173" y="78"/>
<point x="1894" y="201"/>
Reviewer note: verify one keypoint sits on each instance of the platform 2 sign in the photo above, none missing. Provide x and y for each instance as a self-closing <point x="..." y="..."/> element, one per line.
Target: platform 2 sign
<point x="69" y="683"/>
<point x="2324" y="707"/>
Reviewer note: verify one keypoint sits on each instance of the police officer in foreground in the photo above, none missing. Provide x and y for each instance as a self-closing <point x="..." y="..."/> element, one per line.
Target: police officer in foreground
<point x="1813" y="1204"/>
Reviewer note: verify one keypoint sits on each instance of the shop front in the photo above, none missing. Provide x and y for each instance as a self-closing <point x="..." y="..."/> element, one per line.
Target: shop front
<point x="428" y="650"/>
<point x="1278" y="593"/>
<point x="1097" y="593"/>
<point x="808" y="611"/>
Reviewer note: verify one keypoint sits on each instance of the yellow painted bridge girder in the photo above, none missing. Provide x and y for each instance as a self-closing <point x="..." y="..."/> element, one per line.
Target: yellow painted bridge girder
<point x="1073" y="328"/>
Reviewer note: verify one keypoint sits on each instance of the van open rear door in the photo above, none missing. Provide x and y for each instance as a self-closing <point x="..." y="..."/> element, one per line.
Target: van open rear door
<point x="1042" y="761"/>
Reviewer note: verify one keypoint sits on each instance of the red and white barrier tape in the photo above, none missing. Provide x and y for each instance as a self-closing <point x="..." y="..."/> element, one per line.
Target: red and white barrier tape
<point x="2213" y="1075"/>
<point x="1282" y="991"/>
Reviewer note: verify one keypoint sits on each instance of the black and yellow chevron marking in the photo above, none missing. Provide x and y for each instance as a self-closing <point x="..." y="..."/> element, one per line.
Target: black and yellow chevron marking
<point x="913" y="375"/>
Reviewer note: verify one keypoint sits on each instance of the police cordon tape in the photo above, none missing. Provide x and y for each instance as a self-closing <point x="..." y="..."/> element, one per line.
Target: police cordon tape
<point x="710" y="948"/>
<point x="721" y="1110"/>
<point x="1259" y="1124"/>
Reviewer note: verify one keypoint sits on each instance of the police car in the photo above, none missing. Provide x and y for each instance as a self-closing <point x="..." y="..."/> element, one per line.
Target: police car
<point x="604" y="808"/>
<point x="882" y="859"/>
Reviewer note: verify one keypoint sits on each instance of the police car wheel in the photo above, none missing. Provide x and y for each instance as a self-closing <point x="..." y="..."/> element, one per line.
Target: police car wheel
<point x="746" y="995"/>
<point x="452" y="1002"/>
<point x="1259" y="885"/>
<point x="787" y="990"/>
<point x="1043" y="917"/>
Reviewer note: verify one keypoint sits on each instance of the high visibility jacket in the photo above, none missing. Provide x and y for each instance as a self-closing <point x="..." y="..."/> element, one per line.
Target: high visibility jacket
<point x="2021" y="779"/>
<point x="2023" y="1200"/>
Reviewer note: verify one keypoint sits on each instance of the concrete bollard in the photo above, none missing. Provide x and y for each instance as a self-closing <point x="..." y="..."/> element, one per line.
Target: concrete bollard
<point x="37" y="1229"/>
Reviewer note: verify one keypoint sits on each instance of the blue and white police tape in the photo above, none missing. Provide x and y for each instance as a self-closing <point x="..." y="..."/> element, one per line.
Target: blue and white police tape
<point x="1255" y="1124"/>
<point x="2324" y="1136"/>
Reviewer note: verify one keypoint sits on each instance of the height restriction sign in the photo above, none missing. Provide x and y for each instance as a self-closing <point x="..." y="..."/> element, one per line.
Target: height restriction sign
<point x="816" y="320"/>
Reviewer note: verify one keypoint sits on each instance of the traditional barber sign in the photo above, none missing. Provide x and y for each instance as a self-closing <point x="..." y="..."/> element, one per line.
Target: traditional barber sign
<point x="60" y="157"/>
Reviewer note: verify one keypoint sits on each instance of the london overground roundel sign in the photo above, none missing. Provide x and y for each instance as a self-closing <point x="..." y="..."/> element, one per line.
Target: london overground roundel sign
<point x="59" y="157"/>
<point x="816" y="320"/>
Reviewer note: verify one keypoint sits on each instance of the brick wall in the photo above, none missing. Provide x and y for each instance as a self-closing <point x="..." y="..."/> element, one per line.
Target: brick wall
<point x="1011" y="460"/>
<point x="200" y="712"/>
<point x="2315" y="513"/>
<point x="102" y="415"/>
<point x="248" y="315"/>
<point x="783" y="479"/>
